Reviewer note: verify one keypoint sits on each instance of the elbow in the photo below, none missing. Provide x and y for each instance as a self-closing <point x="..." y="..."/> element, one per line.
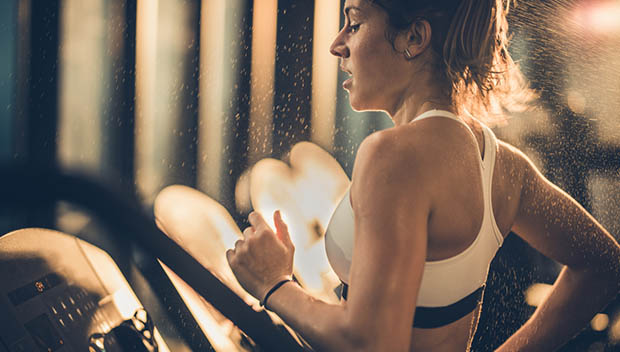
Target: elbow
<point x="350" y="338"/>
<point x="370" y="338"/>
<point x="343" y="336"/>
<point x="367" y="332"/>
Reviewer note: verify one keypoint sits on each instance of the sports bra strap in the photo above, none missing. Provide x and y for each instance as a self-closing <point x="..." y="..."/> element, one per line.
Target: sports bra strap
<point x="441" y="113"/>
<point x="487" y="161"/>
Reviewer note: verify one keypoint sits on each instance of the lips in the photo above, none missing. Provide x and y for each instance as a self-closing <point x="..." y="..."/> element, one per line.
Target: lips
<point x="345" y="70"/>
<point x="347" y="84"/>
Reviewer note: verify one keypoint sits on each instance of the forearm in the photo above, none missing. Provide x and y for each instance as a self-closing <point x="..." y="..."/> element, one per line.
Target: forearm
<point x="576" y="297"/>
<point x="323" y="325"/>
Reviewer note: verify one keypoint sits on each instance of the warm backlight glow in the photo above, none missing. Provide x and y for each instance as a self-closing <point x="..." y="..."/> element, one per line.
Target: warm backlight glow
<point x="146" y="69"/>
<point x="600" y="322"/>
<point x="262" y="78"/>
<point x="307" y="192"/>
<point x="324" y="72"/>
<point x="602" y="17"/>
<point x="126" y="302"/>
<point x="202" y="227"/>
<point x="576" y="101"/>
<point x="606" y="18"/>
<point x="537" y="293"/>
<point x="212" y="95"/>
<point x="219" y="330"/>
<point x="82" y="61"/>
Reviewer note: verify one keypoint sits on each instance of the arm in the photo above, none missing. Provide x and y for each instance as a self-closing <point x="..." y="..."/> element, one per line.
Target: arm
<point x="557" y="226"/>
<point x="388" y="258"/>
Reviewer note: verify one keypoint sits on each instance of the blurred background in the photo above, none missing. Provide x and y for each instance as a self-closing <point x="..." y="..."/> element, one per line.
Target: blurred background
<point x="149" y="93"/>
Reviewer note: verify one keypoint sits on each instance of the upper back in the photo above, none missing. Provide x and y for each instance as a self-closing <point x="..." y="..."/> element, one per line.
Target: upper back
<point x="460" y="207"/>
<point x="458" y="193"/>
<point x="452" y="154"/>
<point x="465" y="210"/>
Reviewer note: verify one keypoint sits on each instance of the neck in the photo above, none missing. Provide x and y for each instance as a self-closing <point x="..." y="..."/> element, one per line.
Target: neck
<point x="422" y="95"/>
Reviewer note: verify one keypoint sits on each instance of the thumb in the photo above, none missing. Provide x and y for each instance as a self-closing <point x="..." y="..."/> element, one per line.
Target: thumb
<point x="282" y="229"/>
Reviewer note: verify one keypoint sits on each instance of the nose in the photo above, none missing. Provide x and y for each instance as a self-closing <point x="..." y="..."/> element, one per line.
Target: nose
<point x="338" y="47"/>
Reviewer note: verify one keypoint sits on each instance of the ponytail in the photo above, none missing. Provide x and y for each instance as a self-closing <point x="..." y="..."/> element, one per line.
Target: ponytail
<point x="485" y="81"/>
<point x="470" y="42"/>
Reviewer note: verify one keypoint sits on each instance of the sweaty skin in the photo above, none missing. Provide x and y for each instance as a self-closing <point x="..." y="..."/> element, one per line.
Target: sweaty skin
<point x="416" y="194"/>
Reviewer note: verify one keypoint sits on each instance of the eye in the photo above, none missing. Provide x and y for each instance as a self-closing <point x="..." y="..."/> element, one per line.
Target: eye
<point x="354" y="27"/>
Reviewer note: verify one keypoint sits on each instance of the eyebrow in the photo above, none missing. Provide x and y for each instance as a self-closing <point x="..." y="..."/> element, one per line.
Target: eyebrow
<point x="349" y="8"/>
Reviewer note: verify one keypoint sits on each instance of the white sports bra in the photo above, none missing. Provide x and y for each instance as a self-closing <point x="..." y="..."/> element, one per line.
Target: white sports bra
<point x="445" y="282"/>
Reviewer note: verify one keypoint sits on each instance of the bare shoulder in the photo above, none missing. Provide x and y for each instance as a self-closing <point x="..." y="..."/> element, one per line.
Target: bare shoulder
<point x="514" y="156"/>
<point x="513" y="164"/>
<point x="396" y="150"/>
<point x="396" y="141"/>
<point x="517" y="169"/>
<point x="392" y="161"/>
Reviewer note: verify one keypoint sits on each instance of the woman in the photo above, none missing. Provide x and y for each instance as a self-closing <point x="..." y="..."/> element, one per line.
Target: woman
<point x="432" y="198"/>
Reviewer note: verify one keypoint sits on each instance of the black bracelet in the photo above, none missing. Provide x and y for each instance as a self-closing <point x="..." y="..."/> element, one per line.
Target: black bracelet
<point x="273" y="289"/>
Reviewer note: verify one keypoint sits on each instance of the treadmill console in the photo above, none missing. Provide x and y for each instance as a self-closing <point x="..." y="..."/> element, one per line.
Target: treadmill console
<point x="59" y="293"/>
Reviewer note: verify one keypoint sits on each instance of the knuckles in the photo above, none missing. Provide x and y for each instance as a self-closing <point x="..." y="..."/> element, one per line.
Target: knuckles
<point x="248" y="232"/>
<point x="251" y="242"/>
<point x="253" y="217"/>
<point x="232" y="258"/>
<point x="261" y="230"/>
<point x="241" y="250"/>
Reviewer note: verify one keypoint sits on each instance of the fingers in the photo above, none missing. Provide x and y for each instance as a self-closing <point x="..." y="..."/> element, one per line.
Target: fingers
<point x="233" y="259"/>
<point x="282" y="229"/>
<point x="259" y="225"/>
<point x="229" y="256"/>
<point x="233" y="255"/>
<point x="256" y="219"/>
<point x="238" y="245"/>
<point x="260" y="228"/>
<point x="248" y="232"/>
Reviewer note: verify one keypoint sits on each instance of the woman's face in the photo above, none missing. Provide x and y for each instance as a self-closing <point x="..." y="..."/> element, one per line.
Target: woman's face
<point x="379" y="74"/>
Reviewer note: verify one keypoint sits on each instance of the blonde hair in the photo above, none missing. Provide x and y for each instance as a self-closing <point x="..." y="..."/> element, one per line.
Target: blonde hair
<point x="470" y="40"/>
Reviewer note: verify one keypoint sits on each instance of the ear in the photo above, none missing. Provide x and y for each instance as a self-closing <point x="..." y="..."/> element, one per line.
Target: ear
<point x="416" y="39"/>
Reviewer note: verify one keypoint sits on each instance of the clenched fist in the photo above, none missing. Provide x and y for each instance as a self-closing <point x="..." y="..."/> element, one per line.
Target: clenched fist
<point x="263" y="258"/>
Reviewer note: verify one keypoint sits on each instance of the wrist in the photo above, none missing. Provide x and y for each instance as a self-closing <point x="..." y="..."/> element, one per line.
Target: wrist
<point x="272" y="290"/>
<point x="267" y="285"/>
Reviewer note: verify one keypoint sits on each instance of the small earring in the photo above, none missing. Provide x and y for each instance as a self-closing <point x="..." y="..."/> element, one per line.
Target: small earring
<point x="408" y="55"/>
